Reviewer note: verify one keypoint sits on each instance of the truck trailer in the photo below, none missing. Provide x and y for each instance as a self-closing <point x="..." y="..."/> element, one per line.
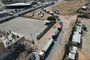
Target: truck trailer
<point x="44" y="51"/>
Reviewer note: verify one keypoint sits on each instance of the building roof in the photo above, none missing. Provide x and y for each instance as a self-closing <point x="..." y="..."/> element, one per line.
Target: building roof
<point x="10" y="38"/>
<point x="19" y="4"/>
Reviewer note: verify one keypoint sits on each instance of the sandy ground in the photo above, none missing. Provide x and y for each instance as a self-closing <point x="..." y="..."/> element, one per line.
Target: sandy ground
<point x="64" y="8"/>
<point x="82" y="56"/>
<point x="67" y="11"/>
<point x="68" y="24"/>
<point x="36" y="16"/>
<point x="68" y="7"/>
<point x="41" y="43"/>
<point x="85" y="50"/>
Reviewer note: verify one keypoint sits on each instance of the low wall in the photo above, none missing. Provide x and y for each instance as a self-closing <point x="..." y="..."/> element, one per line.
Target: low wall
<point x="44" y="30"/>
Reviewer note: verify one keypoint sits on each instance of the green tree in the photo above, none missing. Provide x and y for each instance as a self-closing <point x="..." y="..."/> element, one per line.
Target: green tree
<point x="51" y="18"/>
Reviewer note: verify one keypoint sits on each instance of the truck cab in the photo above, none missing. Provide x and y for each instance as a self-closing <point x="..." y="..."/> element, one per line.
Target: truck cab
<point x="41" y="55"/>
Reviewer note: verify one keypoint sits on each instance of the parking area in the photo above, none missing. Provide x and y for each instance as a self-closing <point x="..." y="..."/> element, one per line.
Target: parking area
<point x="25" y="26"/>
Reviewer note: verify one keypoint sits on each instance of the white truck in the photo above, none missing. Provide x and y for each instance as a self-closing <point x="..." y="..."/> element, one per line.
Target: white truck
<point x="44" y="51"/>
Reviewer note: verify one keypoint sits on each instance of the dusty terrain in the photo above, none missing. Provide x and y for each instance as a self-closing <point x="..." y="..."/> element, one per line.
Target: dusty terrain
<point x="67" y="28"/>
<point x="68" y="15"/>
<point x="64" y="8"/>
<point x="36" y="15"/>
<point x="68" y="7"/>
<point x="85" y="50"/>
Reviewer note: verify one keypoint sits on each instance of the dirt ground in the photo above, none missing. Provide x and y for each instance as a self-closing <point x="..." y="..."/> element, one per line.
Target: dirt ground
<point x="36" y="15"/>
<point x="64" y="8"/>
<point x="82" y="56"/>
<point x="85" y="50"/>
<point x="68" y="7"/>
<point x="67" y="28"/>
<point x="67" y="12"/>
<point x="68" y="20"/>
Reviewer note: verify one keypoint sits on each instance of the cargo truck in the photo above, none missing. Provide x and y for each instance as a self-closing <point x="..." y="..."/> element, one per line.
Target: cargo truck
<point x="44" y="51"/>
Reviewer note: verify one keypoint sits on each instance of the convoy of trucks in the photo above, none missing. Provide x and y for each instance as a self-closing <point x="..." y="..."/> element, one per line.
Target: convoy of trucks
<point x="50" y="43"/>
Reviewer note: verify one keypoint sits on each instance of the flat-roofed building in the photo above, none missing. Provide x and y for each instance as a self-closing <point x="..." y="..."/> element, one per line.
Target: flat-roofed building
<point x="10" y="38"/>
<point x="10" y="45"/>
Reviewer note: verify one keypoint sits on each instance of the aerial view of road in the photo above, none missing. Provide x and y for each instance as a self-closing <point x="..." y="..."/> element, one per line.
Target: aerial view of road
<point x="44" y="30"/>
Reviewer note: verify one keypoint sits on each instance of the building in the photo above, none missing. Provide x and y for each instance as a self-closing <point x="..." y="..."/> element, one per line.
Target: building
<point x="10" y="45"/>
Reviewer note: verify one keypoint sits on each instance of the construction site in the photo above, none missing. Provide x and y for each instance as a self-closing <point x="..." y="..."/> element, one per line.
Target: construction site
<point x="44" y="29"/>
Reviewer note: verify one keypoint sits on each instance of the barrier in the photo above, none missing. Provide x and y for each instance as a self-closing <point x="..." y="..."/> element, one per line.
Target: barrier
<point x="43" y="31"/>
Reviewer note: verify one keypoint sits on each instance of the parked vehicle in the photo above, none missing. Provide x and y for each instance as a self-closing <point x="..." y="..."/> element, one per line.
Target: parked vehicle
<point x="55" y="34"/>
<point x="44" y="51"/>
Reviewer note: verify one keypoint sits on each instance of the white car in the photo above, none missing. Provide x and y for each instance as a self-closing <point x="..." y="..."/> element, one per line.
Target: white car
<point x="47" y="22"/>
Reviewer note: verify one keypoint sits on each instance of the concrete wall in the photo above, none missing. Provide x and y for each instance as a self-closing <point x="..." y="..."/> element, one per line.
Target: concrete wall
<point x="44" y="30"/>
